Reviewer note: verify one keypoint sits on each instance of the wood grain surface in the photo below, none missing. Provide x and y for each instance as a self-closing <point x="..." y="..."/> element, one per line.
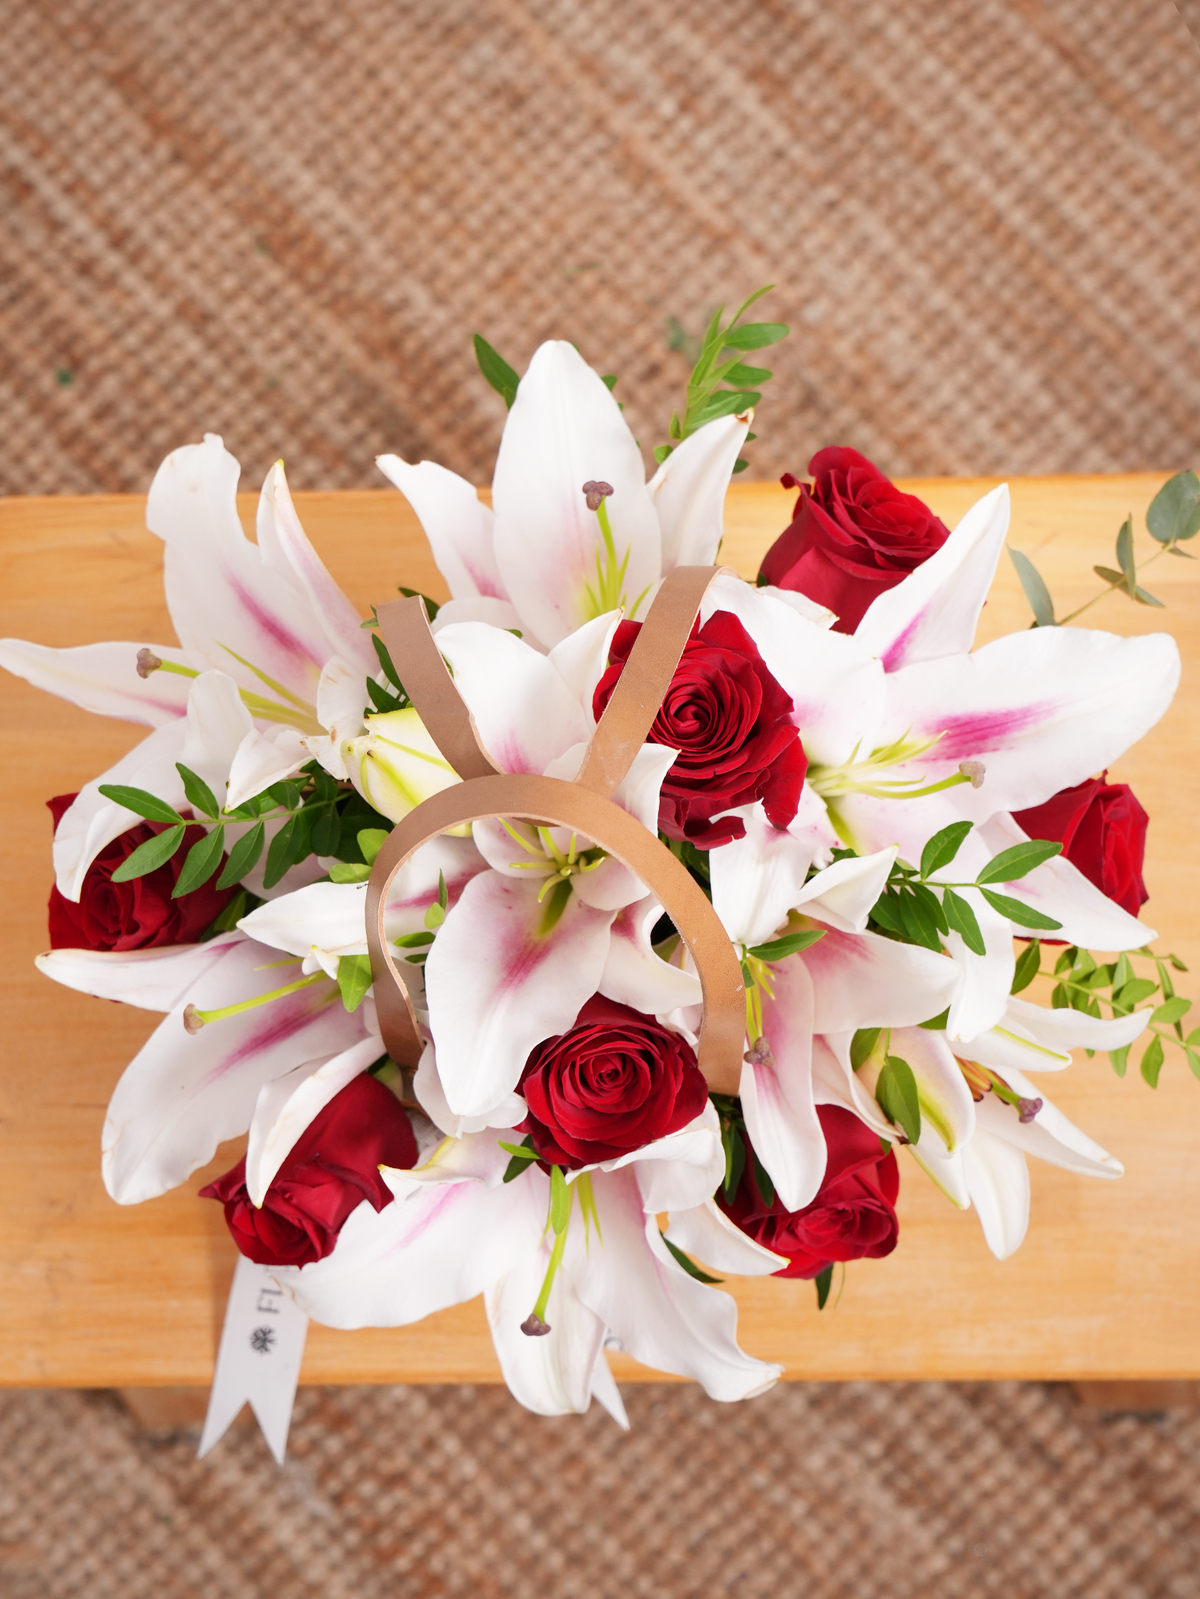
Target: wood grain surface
<point x="1107" y="1284"/>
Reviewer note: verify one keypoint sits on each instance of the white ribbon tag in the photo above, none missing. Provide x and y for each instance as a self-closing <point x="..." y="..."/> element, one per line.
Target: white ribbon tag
<point x="262" y="1344"/>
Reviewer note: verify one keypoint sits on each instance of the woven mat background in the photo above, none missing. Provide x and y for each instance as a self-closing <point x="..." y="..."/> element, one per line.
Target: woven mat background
<point x="927" y="1491"/>
<point x="283" y="222"/>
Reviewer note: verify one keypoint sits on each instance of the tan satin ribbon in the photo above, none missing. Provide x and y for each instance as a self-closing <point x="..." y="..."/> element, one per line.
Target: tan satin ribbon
<point x="583" y="805"/>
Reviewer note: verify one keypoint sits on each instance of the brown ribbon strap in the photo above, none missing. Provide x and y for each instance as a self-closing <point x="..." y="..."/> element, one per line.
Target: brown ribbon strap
<point x="419" y="666"/>
<point x="638" y="694"/>
<point x="582" y="805"/>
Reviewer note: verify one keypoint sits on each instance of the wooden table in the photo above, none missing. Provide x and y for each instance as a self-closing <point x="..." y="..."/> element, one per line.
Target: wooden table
<point x="1107" y="1285"/>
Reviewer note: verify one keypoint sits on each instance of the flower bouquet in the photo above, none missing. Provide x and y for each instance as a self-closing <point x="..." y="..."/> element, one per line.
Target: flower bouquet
<point x="613" y="926"/>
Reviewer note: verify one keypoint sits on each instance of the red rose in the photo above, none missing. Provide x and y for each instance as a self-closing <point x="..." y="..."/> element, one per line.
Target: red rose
<point x="853" y="536"/>
<point x="852" y="1216"/>
<point x="330" y="1171"/>
<point x="731" y="723"/>
<point x="613" y="1083"/>
<point x="139" y="914"/>
<point x="1102" y="829"/>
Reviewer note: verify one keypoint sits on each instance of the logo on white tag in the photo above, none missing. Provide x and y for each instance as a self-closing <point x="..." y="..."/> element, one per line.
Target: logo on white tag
<point x="262" y="1344"/>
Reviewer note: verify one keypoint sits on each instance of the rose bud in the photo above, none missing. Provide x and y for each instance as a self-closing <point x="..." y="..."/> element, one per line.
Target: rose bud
<point x="852" y="1216"/>
<point x="732" y="725"/>
<point x="330" y="1171"/>
<point x="614" y="1082"/>
<point x="1102" y="829"/>
<point x="139" y="914"/>
<point x="853" y="536"/>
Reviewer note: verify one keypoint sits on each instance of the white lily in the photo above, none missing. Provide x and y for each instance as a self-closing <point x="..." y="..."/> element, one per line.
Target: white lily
<point x="457" y="1230"/>
<point x="258" y="626"/>
<point x="539" y="559"/>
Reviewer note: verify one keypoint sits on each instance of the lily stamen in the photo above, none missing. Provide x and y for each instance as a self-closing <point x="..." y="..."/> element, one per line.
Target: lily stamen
<point x="194" y="1019"/>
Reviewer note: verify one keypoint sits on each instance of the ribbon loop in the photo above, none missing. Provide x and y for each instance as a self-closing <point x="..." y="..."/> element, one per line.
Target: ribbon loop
<point x="405" y="628"/>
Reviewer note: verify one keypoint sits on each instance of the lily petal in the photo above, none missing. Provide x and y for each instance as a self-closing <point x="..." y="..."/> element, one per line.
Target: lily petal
<point x="635" y="975"/>
<point x="582" y="658"/>
<point x="1050" y="1136"/>
<point x="680" y="1170"/>
<point x="550" y="1375"/>
<point x="498" y="982"/>
<point x="842" y="895"/>
<point x="689" y="489"/>
<point x="564" y="430"/>
<point x="431" y="1096"/>
<point x="102" y="678"/>
<point x="1073" y="1029"/>
<point x="216" y="728"/>
<point x="777" y="1094"/>
<point x="706" y="1232"/>
<point x="151" y="979"/>
<point x="998" y="1182"/>
<point x="933" y="612"/>
<point x="758" y="878"/>
<point x="864" y="980"/>
<point x="457" y="524"/>
<point x="262" y="759"/>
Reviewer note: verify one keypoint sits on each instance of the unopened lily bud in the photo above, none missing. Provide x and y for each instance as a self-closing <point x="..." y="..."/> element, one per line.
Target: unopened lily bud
<point x="192" y="1020"/>
<point x="594" y="492"/>
<point x="974" y="770"/>
<point x="395" y="764"/>
<point x="147" y="662"/>
<point x="533" y="1326"/>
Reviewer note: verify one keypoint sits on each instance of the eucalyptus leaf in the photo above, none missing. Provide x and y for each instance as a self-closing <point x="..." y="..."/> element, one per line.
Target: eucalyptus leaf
<point x="147" y="805"/>
<point x="1035" y="589"/>
<point x="148" y="857"/>
<point x="1125" y="555"/>
<point x="1174" y="511"/>
<point x="1143" y="597"/>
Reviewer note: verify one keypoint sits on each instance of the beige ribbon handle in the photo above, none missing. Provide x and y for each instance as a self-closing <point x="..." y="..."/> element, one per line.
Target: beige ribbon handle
<point x="583" y="805"/>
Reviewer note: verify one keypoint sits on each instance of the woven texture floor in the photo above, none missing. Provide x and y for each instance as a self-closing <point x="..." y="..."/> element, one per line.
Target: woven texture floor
<point x="283" y="223"/>
<point x="860" y="1492"/>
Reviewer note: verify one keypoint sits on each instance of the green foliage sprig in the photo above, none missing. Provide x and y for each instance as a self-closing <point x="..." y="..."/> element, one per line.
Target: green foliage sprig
<point x="909" y="907"/>
<point x="1173" y="516"/>
<point x="719" y="362"/>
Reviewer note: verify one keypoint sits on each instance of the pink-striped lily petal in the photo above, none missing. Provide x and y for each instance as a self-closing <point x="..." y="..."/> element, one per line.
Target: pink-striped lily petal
<point x="1089" y="918"/>
<point x="1050" y="1135"/>
<point x="864" y="980"/>
<point x="220" y="592"/>
<point x="183" y="1093"/>
<point x="481" y="608"/>
<point x="934" y="611"/>
<point x="91" y="821"/>
<point x="522" y="710"/>
<point x="498" y="982"/>
<point x="581" y="659"/>
<point x="565" y="430"/>
<point x="457" y="524"/>
<point x="777" y="1090"/>
<point x="102" y="678"/>
<point x="439" y="1245"/>
<point x="707" y="1233"/>
<point x="662" y="1316"/>
<point x="997" y="1181"/>
<point x="287" y="552"/>
<point x="287" y="1105"/>
<point x="837" y="687"/>
<point x="635" y="975"/>
<point x="151" y="979"/>
<point x="1041" y="709"/>
<point x="431" y="1096"/>
<point x="689" y="489"/>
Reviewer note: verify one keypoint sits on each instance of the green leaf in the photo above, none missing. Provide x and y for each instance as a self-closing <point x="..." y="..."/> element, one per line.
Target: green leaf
<point x="1173" y="1010"/>
<point x="1145" y="598"/>
<point x="963" y="921"/>
<point x="326" y="831"/>
<point x="918" y="925"/>
<point x="371" y="840"/>
<point x="1193" y="1060"/>
<point x="1193" y="1038"/>
<point x="1117" y="579"/>
<point x="1133" y="992"/>
<point x="413" y="940"/>
<point x="560" y="1200"/>
<point x="1013" y="863"/>
<point x="353" y="979"/>
<point x="824" y="1282"/>
<point x="349" y="872"/>
<point x="661" y="451"/>
<point x="1122" y="972"/>
<point x="1176" y="963"/>
<point x="200" y="797"/>
<point x="496" y="370"/>
<point x="688" y="1265"/>
<point x="1174" y="511"/>
<point x="286" y="794"/>
<point x="777" y="949"/>
<point x="754" y="335"/>
<point x="385" y="662"/>
<point x="147" y="805"/>
<point x="735" y="1158"/>
<point x="1029" y="963"/>
<point x="896" y="1092"/>
<point x="1065" y="961"/>
<point x="762" y="1180"/>
<point x="443" y="891"/>
<point x="1152" y="1061"/>
<point x="148" y="857"/>
<point x="379" y="696"/>
<point x="243" y="857"/>
<point x="522" y="1154"/>
<point x="1035" y="589"/>
<point x="279" y="854"/>
<point x="750" y="376"/>
<point x="1125" y="556"/>
<point x="937" y="1023"/>
<point x="1023" y="915"/>
<point x="725" y="402"/>
<point x="1119" y="1060"/>
<point x="202" y="861"/>
<point x="943" y="847"/>
<point x="931" y="905"/>
<point x="862" y="1044"/>
<point x="886" y="911"/>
